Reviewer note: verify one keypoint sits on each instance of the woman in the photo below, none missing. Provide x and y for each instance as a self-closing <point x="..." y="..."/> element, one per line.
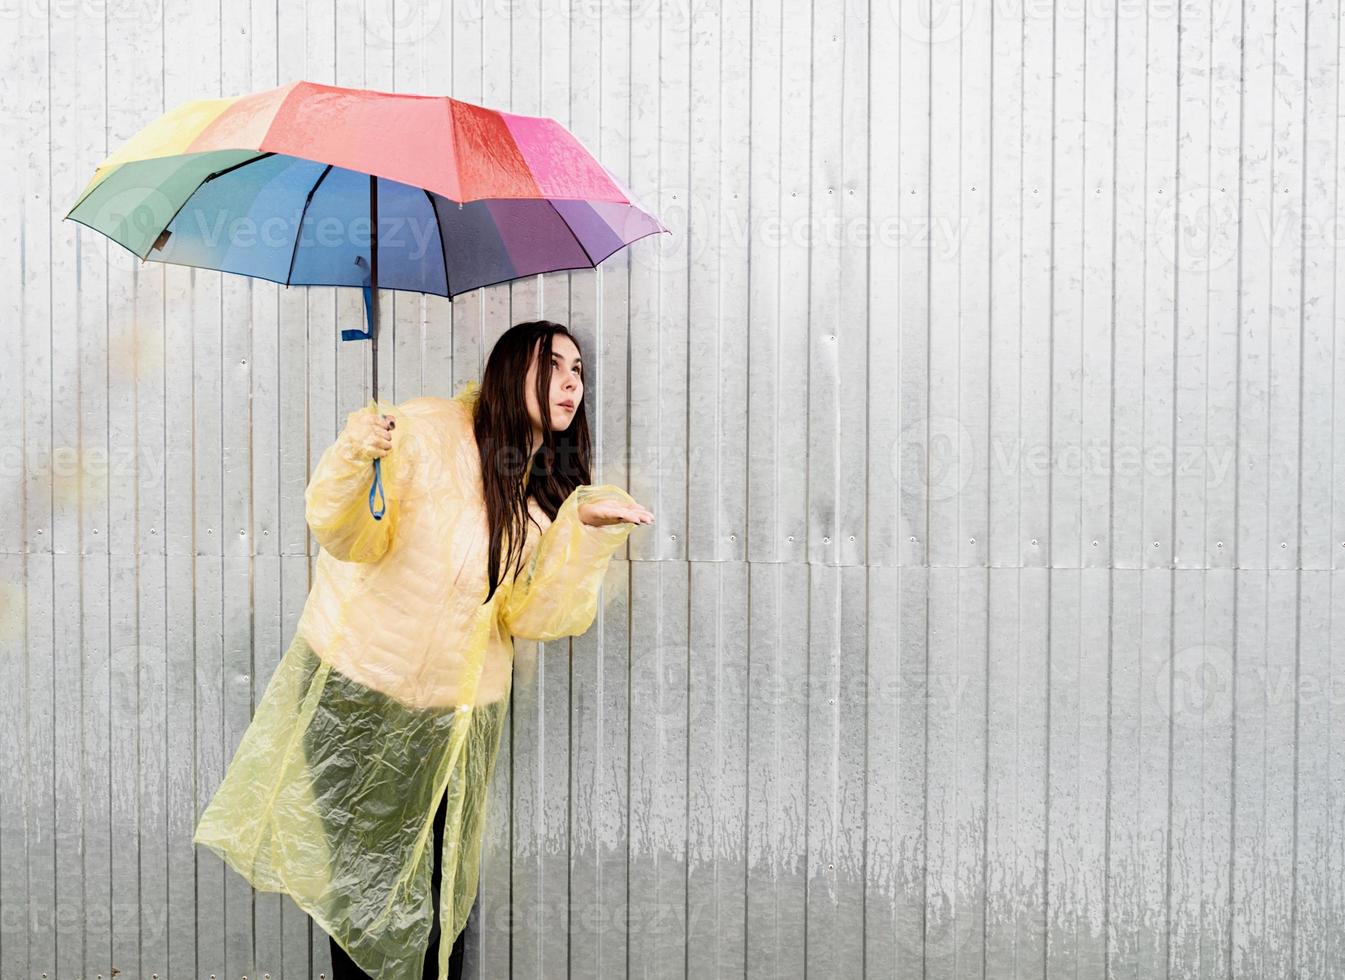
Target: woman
<point x="359" y="787"/>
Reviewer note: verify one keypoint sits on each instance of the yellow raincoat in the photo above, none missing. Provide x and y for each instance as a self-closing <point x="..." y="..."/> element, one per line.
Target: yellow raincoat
<point x="395" y="688"/>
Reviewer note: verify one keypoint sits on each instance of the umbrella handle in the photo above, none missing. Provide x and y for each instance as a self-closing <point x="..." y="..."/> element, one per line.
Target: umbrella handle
<point x="377" y="488"/>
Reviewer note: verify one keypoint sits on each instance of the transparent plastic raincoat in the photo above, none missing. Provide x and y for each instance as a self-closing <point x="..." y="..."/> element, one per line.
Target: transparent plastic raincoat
<point x="395" y="688"/>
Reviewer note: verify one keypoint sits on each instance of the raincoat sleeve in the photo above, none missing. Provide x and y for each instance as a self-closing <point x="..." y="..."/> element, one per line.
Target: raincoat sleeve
<point x="336" y="500"/>
<point x="555" y="594"/>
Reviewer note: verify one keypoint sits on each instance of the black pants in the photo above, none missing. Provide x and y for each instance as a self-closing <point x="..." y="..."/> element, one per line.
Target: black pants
<point x="344" y="969"/>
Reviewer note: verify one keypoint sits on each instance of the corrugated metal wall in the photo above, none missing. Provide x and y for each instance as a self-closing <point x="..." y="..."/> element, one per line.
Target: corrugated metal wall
<point x="990" y="403"/>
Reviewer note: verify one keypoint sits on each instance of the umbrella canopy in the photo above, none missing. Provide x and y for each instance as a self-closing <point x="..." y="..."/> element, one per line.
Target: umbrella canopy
<point x="292" y="184"/>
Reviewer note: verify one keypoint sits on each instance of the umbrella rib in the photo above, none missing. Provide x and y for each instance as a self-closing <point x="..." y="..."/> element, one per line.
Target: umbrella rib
<point x="242" y="163"/>
<point x="205" y="180"/>
<point x="443" y="249"/>
<point x="298" y="231"/>
<point x="591" y="263"/>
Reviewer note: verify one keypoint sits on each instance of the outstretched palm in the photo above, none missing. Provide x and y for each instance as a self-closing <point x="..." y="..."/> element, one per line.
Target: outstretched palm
<point x="600" y="512"/>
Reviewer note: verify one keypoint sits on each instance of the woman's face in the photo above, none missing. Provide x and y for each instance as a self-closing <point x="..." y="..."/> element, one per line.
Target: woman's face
<point x="567" y="385"/>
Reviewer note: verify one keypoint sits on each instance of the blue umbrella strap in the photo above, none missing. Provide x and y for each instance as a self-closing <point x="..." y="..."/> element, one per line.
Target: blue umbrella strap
<point x="366" y="333"/>
<point x="377" y="488"/>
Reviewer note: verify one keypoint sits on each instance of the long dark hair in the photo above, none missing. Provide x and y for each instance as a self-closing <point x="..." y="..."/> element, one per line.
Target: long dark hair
<point x="503" y="432"/>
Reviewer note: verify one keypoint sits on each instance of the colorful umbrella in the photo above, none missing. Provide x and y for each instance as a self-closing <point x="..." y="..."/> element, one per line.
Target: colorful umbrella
<point x="318" y="185"/>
